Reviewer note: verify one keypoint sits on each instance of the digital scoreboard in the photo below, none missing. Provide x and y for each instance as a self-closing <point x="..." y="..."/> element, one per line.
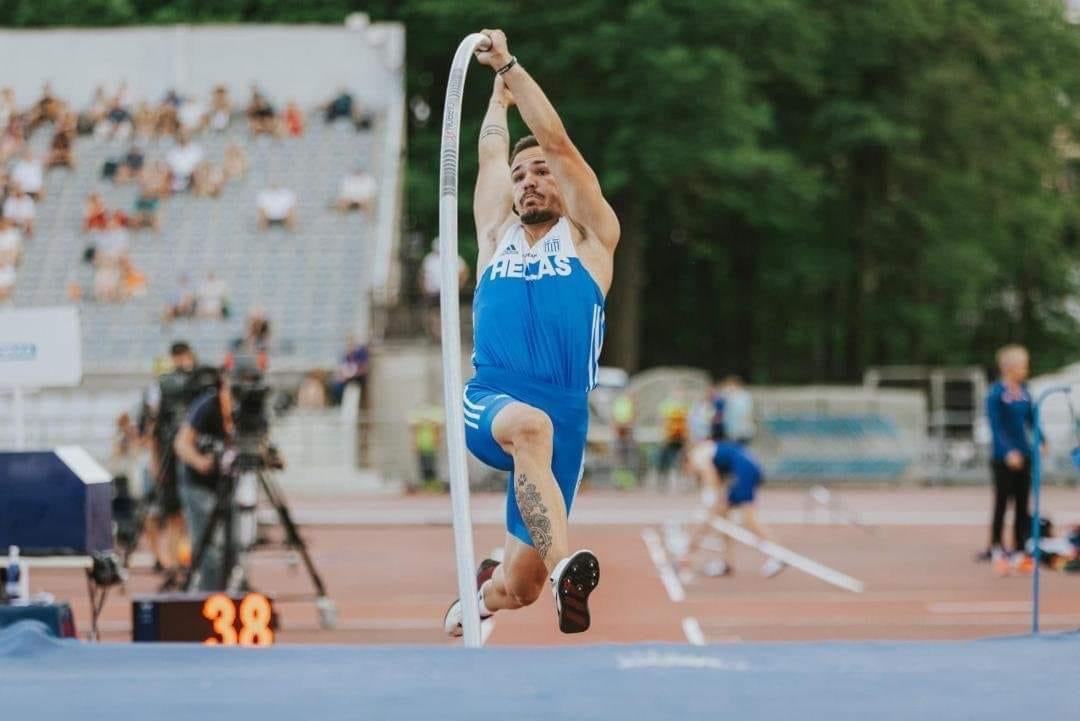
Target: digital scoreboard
<point x="215" y="619"/>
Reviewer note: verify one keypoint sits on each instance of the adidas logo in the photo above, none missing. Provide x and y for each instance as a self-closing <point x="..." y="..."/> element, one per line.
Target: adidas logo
<point x="511" y="248"/>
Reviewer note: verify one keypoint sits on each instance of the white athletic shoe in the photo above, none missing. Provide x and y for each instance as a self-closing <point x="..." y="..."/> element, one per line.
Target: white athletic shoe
<point x="572" y="580"/>
<point x="772" y="567"/>
<point x="452" y="620"/>
<point x="716" y="569"/>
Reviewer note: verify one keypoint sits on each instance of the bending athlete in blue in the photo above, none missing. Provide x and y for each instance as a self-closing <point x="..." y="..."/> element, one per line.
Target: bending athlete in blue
<point x="711" y="462"/>
<point x="547" y="241"/>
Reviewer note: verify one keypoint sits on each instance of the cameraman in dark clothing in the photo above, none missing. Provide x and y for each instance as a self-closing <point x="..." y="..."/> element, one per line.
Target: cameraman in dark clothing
<point x="207" y="427"/>
<point x="214" y="442"/>
<point x="167" y="414"/>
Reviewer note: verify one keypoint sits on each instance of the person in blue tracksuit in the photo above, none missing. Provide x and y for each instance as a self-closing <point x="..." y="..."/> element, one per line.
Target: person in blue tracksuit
<point x="1010" y="413"/>
<point x="546" y="239"/>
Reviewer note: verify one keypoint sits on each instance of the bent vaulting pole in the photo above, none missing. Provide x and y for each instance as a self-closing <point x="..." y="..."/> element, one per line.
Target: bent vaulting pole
<point x="451" y="339"/>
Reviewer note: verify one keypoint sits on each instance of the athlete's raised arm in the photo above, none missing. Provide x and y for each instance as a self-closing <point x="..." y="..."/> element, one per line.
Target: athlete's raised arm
<point x="580" y="187"/>
<point x="493" y="198"/>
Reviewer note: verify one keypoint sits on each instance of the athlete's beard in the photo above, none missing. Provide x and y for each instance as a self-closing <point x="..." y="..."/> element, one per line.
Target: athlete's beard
<point x="532" y="217"/>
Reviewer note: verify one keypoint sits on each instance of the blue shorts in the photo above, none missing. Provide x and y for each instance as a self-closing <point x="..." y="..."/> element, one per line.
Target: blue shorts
<point x="743" y="471"/>
<point x="491" y="390"/>
<point x="740" y="493"/>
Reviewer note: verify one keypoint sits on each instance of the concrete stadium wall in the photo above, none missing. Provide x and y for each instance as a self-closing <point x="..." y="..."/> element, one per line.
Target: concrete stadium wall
<point x="301" y="62"/>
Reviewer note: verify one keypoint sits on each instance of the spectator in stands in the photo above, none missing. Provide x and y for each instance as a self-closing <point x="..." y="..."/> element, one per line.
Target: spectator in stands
<point x="221" y="109"/>
<point x="48" y="109"/>
<point x="260" y="115"/>
<point x="14" y="136"/>
<point x="153" y="186"/>
<point x="144" y="121"/>
<point x="74" y="289"/>
<point x="8" y="108"/>
<point x="20" y="208"/>
<point x="168" y="122"/>
<point x="130" y="165"/>
<point x="97" y="110"/>
<point x="95" y="214"/>
<point x="61" y="148"/>
<point x="211" y="298"/>
<point x="182" y="303"/>
<point x="29" y="173"/>
<point x="118" y="122"/>
<point x="192" y="115"/>
<point x="10" y="243"/>
<point x="132" y="279"/>
<point x="112" y="243"/>
<point x="256" y="340"/>
<point x="293" y="120"/>
<point x="182" y="161"/>
<point x="276" y="206"/>
<point x="353" y="368"/>
<point x="7" y="281"/>
<point x="357" y="191"/>
<point x="1009" y="410"/>
<point x="235" y="164"/>
<point x="207" y="180"/>
<point x="431" y="283"/>
<point x="107" y="279"/>
<point x="340" y="107"/>
<point x="343" y="106"/>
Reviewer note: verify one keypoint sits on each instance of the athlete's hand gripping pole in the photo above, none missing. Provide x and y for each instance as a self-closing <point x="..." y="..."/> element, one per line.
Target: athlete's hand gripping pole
<point x="451" y="338"/>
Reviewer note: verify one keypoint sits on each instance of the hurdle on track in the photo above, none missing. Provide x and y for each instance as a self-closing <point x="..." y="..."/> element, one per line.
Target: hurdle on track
<point x="774" y="550"/>
<point x="451" y="341"/>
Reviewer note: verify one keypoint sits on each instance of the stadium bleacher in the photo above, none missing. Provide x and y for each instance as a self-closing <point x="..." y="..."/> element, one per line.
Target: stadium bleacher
<point x="310" y="282"/>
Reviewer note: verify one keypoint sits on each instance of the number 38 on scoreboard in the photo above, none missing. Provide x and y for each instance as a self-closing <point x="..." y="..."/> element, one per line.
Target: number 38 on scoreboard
<point x="215" y="619"/>
<point x="254" y="614"/>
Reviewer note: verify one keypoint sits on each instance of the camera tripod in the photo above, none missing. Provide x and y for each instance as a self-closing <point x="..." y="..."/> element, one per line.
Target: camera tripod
<point x="223" y="519"/>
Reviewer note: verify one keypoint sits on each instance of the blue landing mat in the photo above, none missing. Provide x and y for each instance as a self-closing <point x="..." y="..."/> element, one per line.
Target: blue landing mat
<point x="44" y="679"/>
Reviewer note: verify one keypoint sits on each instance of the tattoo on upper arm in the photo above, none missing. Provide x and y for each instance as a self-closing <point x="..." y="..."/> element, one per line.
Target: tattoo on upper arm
<point x="534" y="513"/>
<point x="494" y="130"/>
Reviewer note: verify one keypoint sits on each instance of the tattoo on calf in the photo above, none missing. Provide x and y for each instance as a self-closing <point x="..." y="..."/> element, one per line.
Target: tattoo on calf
<point x="534" y="513"/>
<point x="494" y="130"/>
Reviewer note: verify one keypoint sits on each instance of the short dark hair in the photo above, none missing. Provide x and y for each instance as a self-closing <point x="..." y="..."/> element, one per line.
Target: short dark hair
<point x="529" y="141"/>
<point x="179" y="348"/>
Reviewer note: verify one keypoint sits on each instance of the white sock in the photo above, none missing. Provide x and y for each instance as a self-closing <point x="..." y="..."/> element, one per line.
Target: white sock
<point x="557" y="571"/>
<point x="485" y="612"/>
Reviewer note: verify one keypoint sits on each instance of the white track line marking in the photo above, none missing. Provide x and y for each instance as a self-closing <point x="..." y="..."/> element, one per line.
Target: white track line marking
<point x="692" y="629"/>
<point x="795" y="560"/>
<point x="979" y="607"/>
<point x="668" y="577"/>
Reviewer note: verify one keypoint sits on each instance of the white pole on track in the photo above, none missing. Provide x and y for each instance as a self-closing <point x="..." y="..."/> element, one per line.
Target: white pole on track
<point x="451" y="340"/>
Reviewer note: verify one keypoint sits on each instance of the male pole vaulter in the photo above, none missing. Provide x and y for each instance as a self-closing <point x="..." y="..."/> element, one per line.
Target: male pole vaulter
<point x="547" y="242"/>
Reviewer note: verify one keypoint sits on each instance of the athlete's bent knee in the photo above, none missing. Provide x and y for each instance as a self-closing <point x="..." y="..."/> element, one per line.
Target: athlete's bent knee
<point x="524" y="592"/>
<point x="532" y="429"/>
